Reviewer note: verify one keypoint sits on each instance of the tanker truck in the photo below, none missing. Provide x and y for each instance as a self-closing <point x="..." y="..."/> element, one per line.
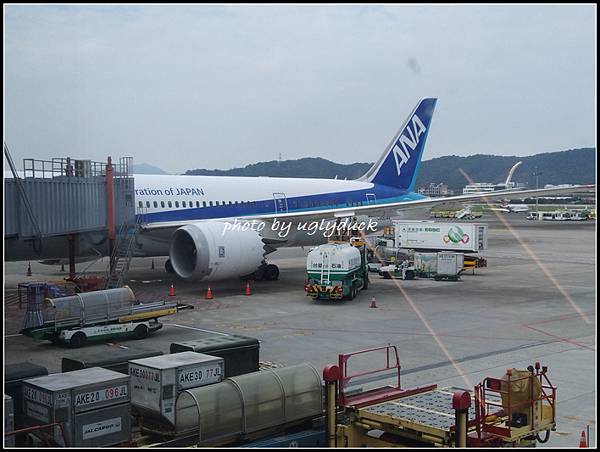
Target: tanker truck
<point x="336" y="270"/>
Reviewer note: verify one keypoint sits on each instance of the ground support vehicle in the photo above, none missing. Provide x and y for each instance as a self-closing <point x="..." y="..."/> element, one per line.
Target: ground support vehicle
<point x="99" y="315"/>
<point x="337" y="270"/>
<point x="511" y="411"/>
<point x="403" y="270"/>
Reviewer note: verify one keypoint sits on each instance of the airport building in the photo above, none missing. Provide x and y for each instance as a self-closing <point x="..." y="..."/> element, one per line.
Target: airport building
<point x="434" y="190"/>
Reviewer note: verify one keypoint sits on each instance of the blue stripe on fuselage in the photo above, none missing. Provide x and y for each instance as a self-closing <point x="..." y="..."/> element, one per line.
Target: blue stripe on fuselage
<point x="335" y="200"/>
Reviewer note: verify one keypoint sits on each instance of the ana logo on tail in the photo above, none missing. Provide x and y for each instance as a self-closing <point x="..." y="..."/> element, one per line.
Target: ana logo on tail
<point x="401" y="153"/>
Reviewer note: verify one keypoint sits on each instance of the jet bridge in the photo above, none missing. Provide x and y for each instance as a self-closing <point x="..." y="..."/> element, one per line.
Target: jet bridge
<point x="66" y="207"/>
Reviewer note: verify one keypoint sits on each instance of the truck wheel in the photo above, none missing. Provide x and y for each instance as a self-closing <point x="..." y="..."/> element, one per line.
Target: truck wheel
<point x="77" y="340"/>
<point x="271" y="272"/>
<point x="141" y="332"/>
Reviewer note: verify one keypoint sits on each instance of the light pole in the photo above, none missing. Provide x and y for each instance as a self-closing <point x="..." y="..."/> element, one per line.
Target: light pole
<point x="536" y="174"/>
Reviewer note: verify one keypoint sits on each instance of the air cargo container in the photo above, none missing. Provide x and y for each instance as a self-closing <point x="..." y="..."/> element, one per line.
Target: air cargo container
<point x="9" y="421"/>
<point x="441" y="236"/>
<point x="241" y="353"/>
<point x="116" y="359"/>
<point x="92" y="405"/>
<point x="157" y="381"/>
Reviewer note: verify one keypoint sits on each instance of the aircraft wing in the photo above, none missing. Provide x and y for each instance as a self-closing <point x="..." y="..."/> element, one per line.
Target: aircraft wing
<point x="392" y="209"/>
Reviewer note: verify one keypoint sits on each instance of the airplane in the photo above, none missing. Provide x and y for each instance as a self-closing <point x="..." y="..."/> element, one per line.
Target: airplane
<point x="219" y="227"/>
<point x="510" y="208"/>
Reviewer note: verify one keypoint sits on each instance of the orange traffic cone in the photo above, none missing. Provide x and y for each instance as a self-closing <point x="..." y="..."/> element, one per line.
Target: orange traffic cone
<point x="373" y="303"/>
<point x="29" y="269"/>
<point x="582" y="440"/>
<point x="209" y="295"/>
<point x="248" y="288"/>
<point x="172" y="290"/>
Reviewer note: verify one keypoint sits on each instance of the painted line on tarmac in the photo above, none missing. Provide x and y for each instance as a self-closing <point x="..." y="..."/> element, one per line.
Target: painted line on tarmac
<point x="194" y="328"/>
<point x="13" y="335"/>
<point x="561" y="339"/>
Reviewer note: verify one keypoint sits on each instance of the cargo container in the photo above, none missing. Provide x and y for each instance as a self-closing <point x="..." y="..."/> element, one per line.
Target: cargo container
<point x="116" y="359"/>
<point x="9" y="420"/>
<point x="156" y="382"/>
<point x="240" y="353"/>
<point x="426" y="264"/>
<point x="441" y="236"/>
<point x="14" y="376"/>
<point x="449" y="266"/>
<point x="91" y="404"/>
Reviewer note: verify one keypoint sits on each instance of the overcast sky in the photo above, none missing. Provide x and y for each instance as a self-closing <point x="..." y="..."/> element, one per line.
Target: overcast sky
<point x="184" y="87"/>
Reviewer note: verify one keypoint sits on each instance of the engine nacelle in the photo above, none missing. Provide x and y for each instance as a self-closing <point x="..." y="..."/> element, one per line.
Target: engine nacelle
<point x="201" y="251"/>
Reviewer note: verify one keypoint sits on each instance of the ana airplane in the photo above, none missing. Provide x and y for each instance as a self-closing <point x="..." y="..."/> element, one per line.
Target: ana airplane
<point x="216" y="227"/>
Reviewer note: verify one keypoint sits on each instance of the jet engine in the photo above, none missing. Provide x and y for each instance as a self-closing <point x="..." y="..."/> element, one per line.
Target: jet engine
<point x="208" y="251"/>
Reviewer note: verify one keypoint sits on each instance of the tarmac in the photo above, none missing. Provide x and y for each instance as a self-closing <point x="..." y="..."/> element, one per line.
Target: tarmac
<point x="535" y="302"/>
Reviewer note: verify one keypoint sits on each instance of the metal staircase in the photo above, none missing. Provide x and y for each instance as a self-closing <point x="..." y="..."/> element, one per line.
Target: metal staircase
<point x="122" y="253"/>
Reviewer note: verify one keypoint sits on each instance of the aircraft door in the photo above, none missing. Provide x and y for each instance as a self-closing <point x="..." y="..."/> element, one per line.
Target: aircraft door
<point x="281" y="205"/>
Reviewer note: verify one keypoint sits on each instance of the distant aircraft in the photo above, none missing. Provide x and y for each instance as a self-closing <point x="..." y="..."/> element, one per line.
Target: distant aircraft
<point x="192" y="219"/>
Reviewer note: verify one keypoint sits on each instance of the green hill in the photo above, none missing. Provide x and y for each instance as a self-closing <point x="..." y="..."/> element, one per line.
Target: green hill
<point x="575" y="166"/>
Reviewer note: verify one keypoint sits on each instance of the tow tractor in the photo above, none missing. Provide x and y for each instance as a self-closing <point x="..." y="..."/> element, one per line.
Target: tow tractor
<point x="402" y="270"/>
<point x="516" y="410"/>
<point x="99" y="315"/>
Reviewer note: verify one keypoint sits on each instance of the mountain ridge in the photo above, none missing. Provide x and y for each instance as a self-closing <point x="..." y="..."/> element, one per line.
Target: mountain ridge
<point x="573" y="166"/>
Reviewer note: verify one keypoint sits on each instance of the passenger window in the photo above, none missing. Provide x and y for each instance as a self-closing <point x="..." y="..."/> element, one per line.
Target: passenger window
<point x="197" y="203"/>
<point x="210" y="203"/>
<point x="183" y="204"/>
<point x="203" y="203"/>
<point x="170" y="204"/>
<point x="162" y="204"/>
<point x="155" y="204"/>
<point x="147" y="203"/>
<point x="176" y="203"/>
<point x="140" y="204"/>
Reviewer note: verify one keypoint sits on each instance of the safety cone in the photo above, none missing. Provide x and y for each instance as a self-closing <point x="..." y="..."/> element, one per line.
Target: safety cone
<point x="248" y="288"/>
<point x="29" y="269"/>
<point x="582" y="440"/>
<point x="209" y="295"/>
<point x="172" y="290"/>
<point x="373" y="303"/>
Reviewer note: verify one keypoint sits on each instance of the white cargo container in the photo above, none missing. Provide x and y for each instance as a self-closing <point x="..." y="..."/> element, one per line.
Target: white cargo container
<point x="157" y="381"/>
<point x="441" y="236"/>
<point x="91" y="404"/>
<point x="449" y="264"/>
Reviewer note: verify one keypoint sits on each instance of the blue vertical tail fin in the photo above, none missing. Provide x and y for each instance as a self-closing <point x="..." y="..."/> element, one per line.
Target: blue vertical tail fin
<point x="398" y="165"/>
